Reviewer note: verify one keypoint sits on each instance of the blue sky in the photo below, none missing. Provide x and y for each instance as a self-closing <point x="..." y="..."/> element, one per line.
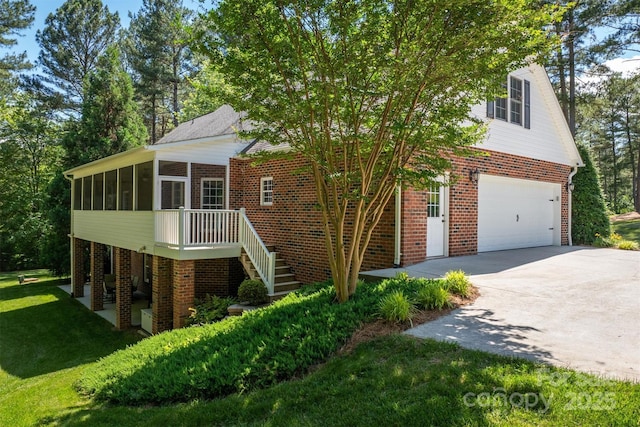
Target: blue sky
<point x="27" y="42"/>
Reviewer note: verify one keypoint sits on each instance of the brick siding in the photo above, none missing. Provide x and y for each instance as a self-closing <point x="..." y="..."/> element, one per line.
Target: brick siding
<point x="199" y="171"/>
<point x="123" y="287"/>
<point x="97" y="275"/>
<point x="293" y="223"/>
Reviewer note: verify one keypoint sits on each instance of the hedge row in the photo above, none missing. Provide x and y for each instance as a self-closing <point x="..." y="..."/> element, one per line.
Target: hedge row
<point x="255" y="350"/>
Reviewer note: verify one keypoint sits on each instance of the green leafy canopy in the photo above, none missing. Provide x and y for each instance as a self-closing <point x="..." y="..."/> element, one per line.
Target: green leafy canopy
<point x="372" y="93"/>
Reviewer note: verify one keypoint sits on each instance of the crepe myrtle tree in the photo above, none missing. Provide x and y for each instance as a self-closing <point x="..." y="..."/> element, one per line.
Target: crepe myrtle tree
<point x="372" y="93"/>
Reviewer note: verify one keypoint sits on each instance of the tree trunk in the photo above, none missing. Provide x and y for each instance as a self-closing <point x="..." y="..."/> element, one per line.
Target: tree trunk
<point x="572" y="75"/>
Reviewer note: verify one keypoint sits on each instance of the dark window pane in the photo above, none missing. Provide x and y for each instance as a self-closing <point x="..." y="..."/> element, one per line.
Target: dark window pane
<point x="111" y="190"/>
<point x="87" y="184"/>
<point x="77" y="194"/>
<point x="144" y="189"/>
<point x="98" y="192"/>
<point x="125" y="181"/>
<point x="167" y="168"/>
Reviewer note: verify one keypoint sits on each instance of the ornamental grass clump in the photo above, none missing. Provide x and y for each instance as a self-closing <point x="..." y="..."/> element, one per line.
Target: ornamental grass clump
<point x="457" y="283"/>
<point x="433" y="296"/>
<point x="396" y="308"/>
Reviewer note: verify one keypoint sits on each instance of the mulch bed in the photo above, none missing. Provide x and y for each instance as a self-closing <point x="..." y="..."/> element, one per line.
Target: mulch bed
<point x="378" y="328"/>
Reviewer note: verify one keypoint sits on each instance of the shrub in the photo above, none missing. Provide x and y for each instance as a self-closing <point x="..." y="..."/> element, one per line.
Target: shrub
<point x="209" y="309"/>
<point x="240" y="353"/>
<point x="433" y="296"/>
<point x="396" y="308"/>
<point x="457" y="283"/>
<point x="253" y="291"/>
<point x="628" y="245"/>
<point x="607" y="242"/>
<point x="589" y="213"/>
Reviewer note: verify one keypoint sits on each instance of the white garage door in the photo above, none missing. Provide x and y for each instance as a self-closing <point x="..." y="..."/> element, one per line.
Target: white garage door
<point x="517" y="213"/>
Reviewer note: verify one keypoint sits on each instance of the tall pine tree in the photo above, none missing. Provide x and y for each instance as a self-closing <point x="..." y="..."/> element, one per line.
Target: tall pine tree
<point x="158" y="54"/>
<point x="15" y="15"/>
<point x="110" y="124"/>
<point x="71" y="42"/>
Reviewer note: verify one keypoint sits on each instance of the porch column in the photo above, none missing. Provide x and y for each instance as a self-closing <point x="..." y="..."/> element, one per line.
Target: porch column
<point x="123" y="288"/>
<point x="77" y="278"/>
<point x="162" y="298"/>
<point x="97" y="275"/>
<point x="183" y="290"/>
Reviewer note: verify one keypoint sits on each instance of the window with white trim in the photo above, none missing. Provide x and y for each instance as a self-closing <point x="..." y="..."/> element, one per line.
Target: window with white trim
<point x="516" y="107"/>
<point x="212" y="193"/>
<point x="266" y="191"/>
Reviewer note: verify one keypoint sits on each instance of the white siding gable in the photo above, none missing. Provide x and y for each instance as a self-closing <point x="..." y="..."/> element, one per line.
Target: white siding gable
<point x="548" y="138"/>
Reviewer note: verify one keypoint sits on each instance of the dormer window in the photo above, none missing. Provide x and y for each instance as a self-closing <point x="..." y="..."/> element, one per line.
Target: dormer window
<point x="516" y="108"/>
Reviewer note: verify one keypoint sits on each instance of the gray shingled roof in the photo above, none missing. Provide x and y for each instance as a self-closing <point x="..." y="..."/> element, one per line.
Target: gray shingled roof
<point x="263" y="146"/>
<point x="224" y="121"/>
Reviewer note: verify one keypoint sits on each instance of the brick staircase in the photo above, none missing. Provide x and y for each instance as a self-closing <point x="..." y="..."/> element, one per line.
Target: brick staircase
<point x="285" y="280"/>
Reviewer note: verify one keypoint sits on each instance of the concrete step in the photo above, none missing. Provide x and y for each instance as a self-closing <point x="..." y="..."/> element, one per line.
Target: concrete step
<point x="287" y="286"/>
<point x="284" y="277"/>
<point x="278" y="295"/>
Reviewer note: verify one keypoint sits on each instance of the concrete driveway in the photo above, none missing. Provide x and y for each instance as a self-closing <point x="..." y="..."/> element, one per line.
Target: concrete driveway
<point x="575" y="307"/>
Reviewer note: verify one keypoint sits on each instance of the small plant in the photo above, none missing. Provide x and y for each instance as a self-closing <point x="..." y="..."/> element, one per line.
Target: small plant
<point x="628" y="245"/>
<point x="457" y="283"/>
<point x="396" y="308"/>
<point x="209" y="309"/>
<point x="402" y="275"/>
<point x="253" y="291"/>
<point x="613" y="240"/>
<point x="433" y="297"/>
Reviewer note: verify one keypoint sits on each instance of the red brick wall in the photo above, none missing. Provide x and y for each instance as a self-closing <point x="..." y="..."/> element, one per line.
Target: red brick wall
<point x="199" y="171"/>
<point x="123" y="287"/>
<point x="293" y="222"/>
<point x="162" y="296"/>
<point x="78" y="278"/>
<point x="97" y="275"/>
<point x="183" y="290"/>
<point x="219" y="277"/>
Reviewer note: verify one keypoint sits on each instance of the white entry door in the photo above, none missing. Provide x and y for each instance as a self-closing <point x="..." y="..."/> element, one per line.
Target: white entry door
<point x="436" y="221"/>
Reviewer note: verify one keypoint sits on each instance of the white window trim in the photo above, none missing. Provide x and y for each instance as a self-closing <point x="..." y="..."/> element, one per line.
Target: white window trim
<point x="202" y="181"/>
<point x="263" y="192"/>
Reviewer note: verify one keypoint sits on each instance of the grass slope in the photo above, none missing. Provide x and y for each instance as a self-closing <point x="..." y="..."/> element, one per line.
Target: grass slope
<point x="629" y="230"/>
<point x="391" y="381"/>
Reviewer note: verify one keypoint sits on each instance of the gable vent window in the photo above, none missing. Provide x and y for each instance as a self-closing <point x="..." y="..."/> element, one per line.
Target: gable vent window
<point x="266" y="191"/>
<point x="516" y="108"/>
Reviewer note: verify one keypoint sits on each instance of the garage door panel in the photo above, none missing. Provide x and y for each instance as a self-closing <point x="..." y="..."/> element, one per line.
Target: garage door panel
<point x="514" y="213"/>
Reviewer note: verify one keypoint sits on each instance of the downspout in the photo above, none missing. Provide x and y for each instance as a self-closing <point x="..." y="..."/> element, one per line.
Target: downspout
<point x="70" y="235"/>
<point x="574" y="170"/>
<point x="398" y="229"/>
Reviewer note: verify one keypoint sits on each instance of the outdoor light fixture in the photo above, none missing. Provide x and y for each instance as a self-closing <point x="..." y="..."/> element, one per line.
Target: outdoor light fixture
<point x="473" y="175"/>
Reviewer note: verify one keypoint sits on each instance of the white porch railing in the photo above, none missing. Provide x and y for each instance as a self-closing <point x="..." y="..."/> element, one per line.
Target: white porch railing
<point x="197" y="227"/>
<point x="263" y="260"/>
<point x="193" y="228"/>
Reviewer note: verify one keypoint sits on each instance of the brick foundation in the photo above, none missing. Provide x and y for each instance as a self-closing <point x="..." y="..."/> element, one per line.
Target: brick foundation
<point x="219" y="277"/>
<point x="183" y="290"/>
<point x="97" y="275"/>
<point x="123" y="287"/>
<point x="162" y="294"/>
<point x="78" y="276"/>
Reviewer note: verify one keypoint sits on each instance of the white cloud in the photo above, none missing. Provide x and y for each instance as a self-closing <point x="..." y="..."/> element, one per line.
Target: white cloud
<point x="626" y="66"/>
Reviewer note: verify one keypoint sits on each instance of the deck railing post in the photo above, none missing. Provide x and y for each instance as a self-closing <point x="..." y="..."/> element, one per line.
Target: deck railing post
<point x="241" y="226"/>
<point x="181" y="228"/>
<point x="272" y="272"/>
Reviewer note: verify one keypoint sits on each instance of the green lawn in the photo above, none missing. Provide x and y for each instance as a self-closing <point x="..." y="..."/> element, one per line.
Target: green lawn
<point x="47" y="340"/>
<point x="629" y="230"/>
